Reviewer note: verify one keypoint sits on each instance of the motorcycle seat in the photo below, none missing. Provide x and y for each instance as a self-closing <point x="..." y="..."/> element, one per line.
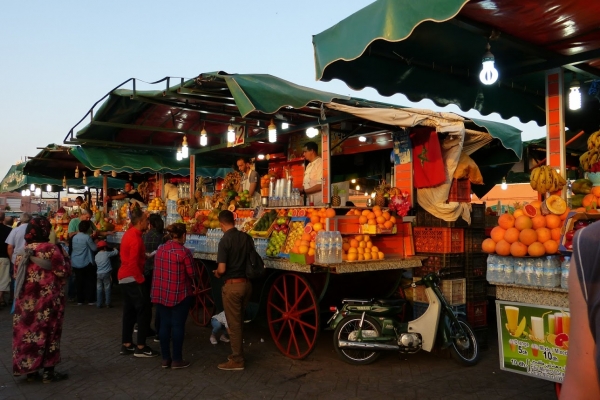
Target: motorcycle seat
<point x="390" y="302"/>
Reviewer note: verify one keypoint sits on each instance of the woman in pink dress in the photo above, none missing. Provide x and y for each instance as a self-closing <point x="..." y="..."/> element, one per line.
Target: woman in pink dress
<point x="41" y="272"/>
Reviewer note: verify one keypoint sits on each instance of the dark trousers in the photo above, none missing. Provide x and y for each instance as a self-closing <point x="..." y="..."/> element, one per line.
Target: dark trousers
<point x="148" y="283"/>
<point x="235" y="300"/>
<point x="85" y="283"/>
<point x="172" y="328"/>
<point x="136" y="308"/>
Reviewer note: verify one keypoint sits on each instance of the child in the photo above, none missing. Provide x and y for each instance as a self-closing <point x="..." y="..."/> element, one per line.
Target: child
<point x="103" y="279"/>
<point x="217" y="322"/>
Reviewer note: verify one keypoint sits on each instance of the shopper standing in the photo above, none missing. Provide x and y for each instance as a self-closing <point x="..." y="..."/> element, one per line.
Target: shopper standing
<point x="82" y="260"/>
<point x="231" y="259"/>
<point x="136" y="300"/>
<point x="171" y="292"/>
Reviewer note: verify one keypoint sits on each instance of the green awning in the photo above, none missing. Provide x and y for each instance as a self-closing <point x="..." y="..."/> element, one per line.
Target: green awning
<point x="507" y="134"/>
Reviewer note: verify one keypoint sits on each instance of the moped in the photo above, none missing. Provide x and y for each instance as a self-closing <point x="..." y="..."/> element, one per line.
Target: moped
<point x="364" y="328"/>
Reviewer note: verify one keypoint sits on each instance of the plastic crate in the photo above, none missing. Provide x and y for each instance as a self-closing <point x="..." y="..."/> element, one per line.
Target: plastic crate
<point x="420" y="308"/>
<point x="475" y="265"/>
<point x="453" y="290"/>
<point x="474" y="237"/>
<point x="478" y="216"/>
<point x="453" y="265"/>
<point x="426" y="219"/>
<point x="476" y="289"/>
<point x="477" y="313"/>
<point x="460" y="191"/>
<point x="439" y="240"/>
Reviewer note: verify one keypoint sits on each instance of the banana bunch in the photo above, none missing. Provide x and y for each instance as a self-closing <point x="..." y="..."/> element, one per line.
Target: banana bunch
<point x="589" y="158"/>
<point x="545" y="179"/>
<point x="593" y="141"/>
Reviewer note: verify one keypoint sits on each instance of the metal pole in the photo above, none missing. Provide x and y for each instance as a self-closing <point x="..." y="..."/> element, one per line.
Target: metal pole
<point x="105" y="192"/>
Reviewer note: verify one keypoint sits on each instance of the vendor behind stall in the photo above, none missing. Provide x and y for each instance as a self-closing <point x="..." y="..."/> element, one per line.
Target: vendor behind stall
<point x="130" y="193"/>
<point x="313" y="174"/>
<point x="249" y="180"/>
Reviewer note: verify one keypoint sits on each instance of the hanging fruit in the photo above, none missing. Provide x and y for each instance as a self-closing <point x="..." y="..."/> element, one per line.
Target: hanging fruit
<point x="545" y="179"/>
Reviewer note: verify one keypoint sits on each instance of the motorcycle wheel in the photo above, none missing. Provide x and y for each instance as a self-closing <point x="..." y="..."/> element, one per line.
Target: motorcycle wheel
<point x="464" y="348"/>
<point x="343" y="332"/>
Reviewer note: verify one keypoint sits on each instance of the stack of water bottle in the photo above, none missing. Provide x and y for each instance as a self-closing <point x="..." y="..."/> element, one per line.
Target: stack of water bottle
<point x="172" y="214"/>
<point x="261" y="246"/>
<point x="196" y="243"/>
<point x="213" y="236"/>
<point x="328" y="247"/>
<point x="535" y="271"/>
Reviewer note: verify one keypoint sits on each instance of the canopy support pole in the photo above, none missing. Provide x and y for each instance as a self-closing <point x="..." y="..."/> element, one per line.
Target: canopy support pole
<point x="326" y="156"/>
<point x="105" y="193"/>
<point x="555" y="121"/>
<point x="192" y="178"/>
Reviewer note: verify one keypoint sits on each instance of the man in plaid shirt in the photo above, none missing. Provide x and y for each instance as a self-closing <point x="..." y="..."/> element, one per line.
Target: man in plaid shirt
<point x="171" y="292"/>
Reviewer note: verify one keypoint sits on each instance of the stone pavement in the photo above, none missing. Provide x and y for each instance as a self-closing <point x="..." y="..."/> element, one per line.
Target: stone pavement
<point x="90" y="352"/>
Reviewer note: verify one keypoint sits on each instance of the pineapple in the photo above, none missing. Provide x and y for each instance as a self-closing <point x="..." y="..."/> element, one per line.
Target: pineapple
<point x="336" y="200"/>
<point x="380" y="191"/>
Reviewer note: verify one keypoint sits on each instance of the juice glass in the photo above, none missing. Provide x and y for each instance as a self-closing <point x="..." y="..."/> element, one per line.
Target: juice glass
<point x="551" y="322"/>
<point x="512" y="317"/>
<point x="537" y="326"/>
<point x="558" y="323"/>
<point x="566" y="323"/>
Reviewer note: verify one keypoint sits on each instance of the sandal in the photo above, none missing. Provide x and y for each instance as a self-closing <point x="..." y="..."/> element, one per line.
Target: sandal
<point x="53" y="377"/>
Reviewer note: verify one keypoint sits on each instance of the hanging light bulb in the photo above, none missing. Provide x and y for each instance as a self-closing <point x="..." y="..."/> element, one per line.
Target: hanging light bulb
<point x="203" y="137"/>
<point x="574" y="95"/>
<point x="113" y="174"/>
<point x="504" y="186"/>
<point x="84" y="178"/>
<point x="48" y="188"/>
<point x="179" y="154"/>
<point x="130" y="177"/>
<point x="230" y="134"/>
<point x="27" y="192"/>
<point x="261" y="156"/>
<point x="488" y="74"/>
<point x="23" y="193"/>
<point x="285" y="125"/>
<point x="357" y="187"/>
<point x="373" y="195"/>
<point x="86" y="188"/>
<point x="96" y="173"/>
<point x="362" y="138"/>
<point x="312" y="132"/>
<point x="32" y="187"/>
<point x="272" y="132"/>
<point x="77" y="171"/>
<point x="353" y="181"/>
<point x="38" y="192"/>
<point x="64" y="182"/>
<point x="184" y="148"/>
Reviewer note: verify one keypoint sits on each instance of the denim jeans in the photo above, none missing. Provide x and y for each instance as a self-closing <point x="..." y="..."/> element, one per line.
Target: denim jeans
<point x="103" y="281"/>
<point x="172" y="326"/>
<point x="216" y="325"/>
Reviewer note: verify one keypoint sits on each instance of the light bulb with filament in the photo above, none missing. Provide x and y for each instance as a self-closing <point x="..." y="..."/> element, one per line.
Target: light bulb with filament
<point x="96" y="173"/>
<point x="64" y="182"/>
<point x="574" y="96"/>
<point x="32" y="187"/>
<point x="203" y="137"/>
<point x="362" y="138"/>
<point x="27" y="192"/>
<point x="84" y="178"/>
<point x="48" y="188"/>
<point x="113" y="174"/>
<point x="77" y="172"/>
<point x="230" y="134"/>
<point x="179" y="154"/>
<point x="184" y="148"/>
<point x="488" y="74"/>
<point x="272" y="132"/>
<point x="504" y="186"/>
<point x="312" y="132"/>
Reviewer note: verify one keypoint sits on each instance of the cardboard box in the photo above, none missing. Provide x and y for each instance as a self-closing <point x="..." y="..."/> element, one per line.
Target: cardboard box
<point x="302" y="258"/>
<point x="572" y="218"/>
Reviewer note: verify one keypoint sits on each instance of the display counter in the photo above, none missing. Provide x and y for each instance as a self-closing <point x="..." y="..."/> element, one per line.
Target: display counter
<point x="554" y="297"/>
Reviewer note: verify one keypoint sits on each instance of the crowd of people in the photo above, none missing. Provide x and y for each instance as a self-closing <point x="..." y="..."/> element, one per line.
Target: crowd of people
<point x="156" y="271"/>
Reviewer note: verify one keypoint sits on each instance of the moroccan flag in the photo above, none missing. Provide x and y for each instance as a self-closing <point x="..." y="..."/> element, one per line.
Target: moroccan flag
<point x="428" y="164"/>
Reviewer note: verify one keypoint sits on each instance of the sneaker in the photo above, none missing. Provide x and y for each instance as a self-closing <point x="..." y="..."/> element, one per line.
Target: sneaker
<point x="166" y="364"/>
<point x="224" y="338"/>
<point x="231" y="365"/>
<point x="53" y="377"/>
<point x="91" y="304"/>
<point x="128" y="349"/>
<point x="180" y="364"/>
<point x="145" y="352"/>
<point x="213" y="339"/>
<point x="156" y="339"/>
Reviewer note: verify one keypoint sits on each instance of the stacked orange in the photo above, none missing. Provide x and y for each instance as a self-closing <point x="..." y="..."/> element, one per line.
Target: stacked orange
<point x="530" y="233"/>
<point x="305" y="245"/>
<point x="360" y="248"/>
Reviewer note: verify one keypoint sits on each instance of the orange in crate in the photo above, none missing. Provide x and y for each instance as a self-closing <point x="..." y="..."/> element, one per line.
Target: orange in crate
<point x="439" y="240"/>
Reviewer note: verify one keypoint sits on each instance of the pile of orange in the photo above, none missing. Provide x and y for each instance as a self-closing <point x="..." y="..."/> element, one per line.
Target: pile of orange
<point x="360" y="248"/>
<point x="525" y="233"/>
<point x="305" y="245"/>
<point x="376" y="216"/>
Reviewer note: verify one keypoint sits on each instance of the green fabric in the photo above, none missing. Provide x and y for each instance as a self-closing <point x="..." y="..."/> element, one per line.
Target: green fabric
<point x="508" y="135"/>
<point x="404" y="46"/>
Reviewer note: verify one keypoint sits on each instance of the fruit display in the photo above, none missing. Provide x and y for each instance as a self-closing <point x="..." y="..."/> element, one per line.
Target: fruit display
<point x="377" y="216"/>
<point x="527" y="231"/>
<point x="244" y="213"/>
<point x="545" y="179"/>
<point x="103" y="223"/>
<point x="157" y="204"/>
<point x="296" y="230"/>
<point x="336" y="200"/>
<point x="579" y="221"/>
<point x="360" y="248"/>
<point x="278" y="237"/>
<point x="306" y="244"/>
<point x="264" y="223"/>
<point x="590" y="158"/>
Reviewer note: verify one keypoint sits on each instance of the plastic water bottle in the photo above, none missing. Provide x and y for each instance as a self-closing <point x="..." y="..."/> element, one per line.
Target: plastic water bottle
<point x="337" y="242"/>
<point x="319" y="256"/>
<point x="549" y="273"/>
<point x="331" y="247"/>
<point x="519" y="264"/>
<point x="509" y="270"/>
<point x="564" y="272"/>
<point x="492" y="265"/>
<point x="529" y="272"/>
<point x="538" y="271"/>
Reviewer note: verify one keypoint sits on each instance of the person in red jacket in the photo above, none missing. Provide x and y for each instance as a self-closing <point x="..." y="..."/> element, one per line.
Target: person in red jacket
<point x="136" y="297"/>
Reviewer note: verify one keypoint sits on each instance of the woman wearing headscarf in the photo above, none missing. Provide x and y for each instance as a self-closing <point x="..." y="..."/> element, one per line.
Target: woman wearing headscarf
<point x="41" y="272"/>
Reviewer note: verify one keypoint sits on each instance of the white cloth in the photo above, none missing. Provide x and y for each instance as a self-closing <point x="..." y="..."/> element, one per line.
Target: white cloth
<point x="16" y="238"/>
<point x="221" y="318"/>
<point x="313" y="175"/>
<point x="248" y="179"/>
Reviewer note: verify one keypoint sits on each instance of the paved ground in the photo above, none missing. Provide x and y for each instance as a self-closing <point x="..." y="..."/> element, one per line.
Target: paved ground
<point x="91" y="356"/>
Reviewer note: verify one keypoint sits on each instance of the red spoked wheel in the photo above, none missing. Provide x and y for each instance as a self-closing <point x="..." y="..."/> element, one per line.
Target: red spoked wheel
<point x="293" y="315"/>
<point x="204" y="305"/>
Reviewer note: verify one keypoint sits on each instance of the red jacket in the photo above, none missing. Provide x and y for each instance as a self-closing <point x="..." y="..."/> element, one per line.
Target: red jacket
<point x="133" y="255"/>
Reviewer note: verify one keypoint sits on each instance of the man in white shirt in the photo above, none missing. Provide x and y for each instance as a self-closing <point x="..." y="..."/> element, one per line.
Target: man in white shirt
<point x="313" y="175"/>
<point x="16" y="238"/>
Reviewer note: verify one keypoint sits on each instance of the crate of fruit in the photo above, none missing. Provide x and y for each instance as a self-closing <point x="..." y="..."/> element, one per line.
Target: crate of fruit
<point x="439" y="240"/>
<point x="454" y="291"/>
<point x="265" y="224"/>
<point x="298" y="232"/>
<point x="279" y="233"/>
